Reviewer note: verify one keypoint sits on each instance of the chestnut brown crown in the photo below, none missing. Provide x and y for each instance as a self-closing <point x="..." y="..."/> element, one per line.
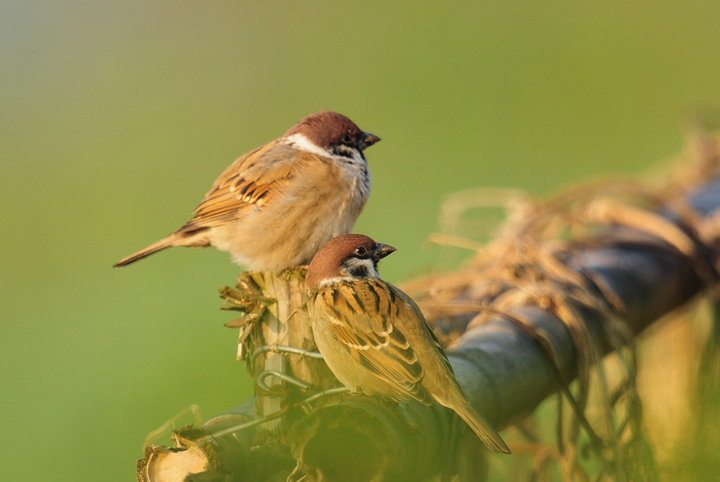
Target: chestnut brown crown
<point x="327" y="129"/>
<point x="330" y="260"/>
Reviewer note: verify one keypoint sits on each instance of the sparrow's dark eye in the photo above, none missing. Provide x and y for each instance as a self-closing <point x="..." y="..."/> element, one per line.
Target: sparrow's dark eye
<point x="361" y="251"/>
<point x="347" y="139"/>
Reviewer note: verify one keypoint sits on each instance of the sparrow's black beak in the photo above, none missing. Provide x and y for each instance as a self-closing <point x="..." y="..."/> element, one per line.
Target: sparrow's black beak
<point x="382" y="250"/>
<point x="368" y="140"/>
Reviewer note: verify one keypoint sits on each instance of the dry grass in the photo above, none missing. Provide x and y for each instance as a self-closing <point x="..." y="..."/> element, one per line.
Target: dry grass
<point x="631" y="415"/>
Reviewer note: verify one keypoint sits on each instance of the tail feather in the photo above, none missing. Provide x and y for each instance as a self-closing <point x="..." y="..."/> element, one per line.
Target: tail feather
<point x="482" y="428"/>
<point x="153" y="248"/>
<point x="485" y="432"/>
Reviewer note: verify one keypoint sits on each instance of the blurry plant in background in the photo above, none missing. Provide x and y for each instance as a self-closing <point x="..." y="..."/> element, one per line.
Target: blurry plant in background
<point x="674" y="372"/>
<point x="115" y="117"/>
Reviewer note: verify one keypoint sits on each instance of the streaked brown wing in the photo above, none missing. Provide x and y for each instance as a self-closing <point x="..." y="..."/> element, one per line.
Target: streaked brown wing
<point x="363" y="311"/>
<point x="423" y="330"/>
<point x="251" y="181"/>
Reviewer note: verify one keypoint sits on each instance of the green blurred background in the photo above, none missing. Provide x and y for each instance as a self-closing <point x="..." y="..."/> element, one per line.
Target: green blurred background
<point x="117" y="116"/>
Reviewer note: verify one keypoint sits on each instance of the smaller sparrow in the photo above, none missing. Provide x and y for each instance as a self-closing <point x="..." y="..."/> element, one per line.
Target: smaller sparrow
<point x="375" y="339"/>
<point x="275" y="206"/>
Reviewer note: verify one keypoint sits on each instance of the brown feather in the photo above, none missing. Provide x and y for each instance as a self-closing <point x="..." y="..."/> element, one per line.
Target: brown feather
<point x="375" y="338"/>
<point x="153" y="248"/>
<point x="247" y="183"/>
<point x="334" y="126"/>
<point x="275" y="206"/>
<point x="371" y="339"/>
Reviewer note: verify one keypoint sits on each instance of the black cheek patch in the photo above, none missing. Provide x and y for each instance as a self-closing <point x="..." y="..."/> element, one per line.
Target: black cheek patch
<point x="342" y="150"/>
<point x="359" y="271"/>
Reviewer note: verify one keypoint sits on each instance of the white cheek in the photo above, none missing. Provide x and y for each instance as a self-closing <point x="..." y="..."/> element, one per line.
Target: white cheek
<point x="332" y="281"/>
<point x="302" y="143"/>
<point x="346" y="274"/>
<point x="366" y="264"/>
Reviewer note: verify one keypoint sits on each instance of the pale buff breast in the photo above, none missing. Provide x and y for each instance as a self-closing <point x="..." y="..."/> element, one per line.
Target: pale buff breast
<point x="324" y="201"/>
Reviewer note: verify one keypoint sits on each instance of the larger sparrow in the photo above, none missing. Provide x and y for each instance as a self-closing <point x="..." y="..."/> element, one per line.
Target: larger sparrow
<point x="274" y="207"/>
<point x="374" y="337"/>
